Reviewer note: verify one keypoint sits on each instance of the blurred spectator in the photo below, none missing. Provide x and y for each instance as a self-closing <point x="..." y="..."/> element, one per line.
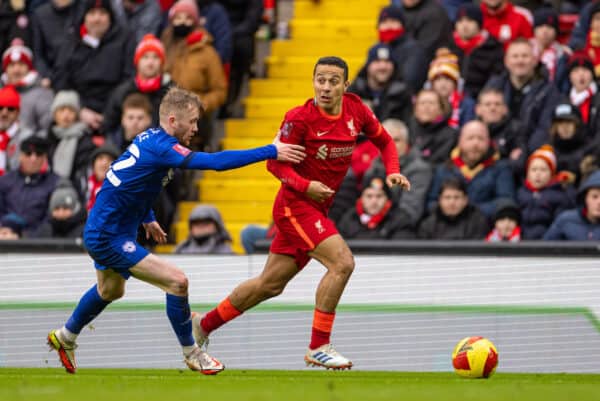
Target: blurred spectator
<point x="11" y="133"/>
<point x="579" y="34"/>
<point x="71" y="143"/>
<point x="17" y="68"/>
<point x="216" y="22"/>
<point x="94" y="60"/>
<point x="142" y="17"/>
<point x="66" y="216"/>
<point x="429" y="128"/>
<point x="507" y="218"/>
<point x="542" y="197"/>
<point x="408" y="205"/>
<point x="527" y="92"/>
<point x="584" y="92"/>
<point x="582" y="223"/>
<point x="592" y="44"/>
<point x="194" y="64"/>
<point x="474" y="161"/>
<point x="150" y="80"/>
<point x="52" y="23"/>
<point x="444" y="78"/>
<point x="100" y="162"/>
<point x="381" y="89"/>
<point x="454" y="218"/>
<point x="480" y="54"/>
<point x="373" y="216"/>
<point x="567" y="135"/>
<point x="14" y="23"/>
<point x="207" y="233"/>
<point x="135" y="119"/>
<point x="407" y="53"/>
<point x="505" y="21"/>
<point x="453" y="6"/>
<point x="507" y="134"/>
<point x="11" y="227"/>
<point x="245" y="17"/>
<point x="26" y="191"/>
<point x="252" y="233"/>
<point x="545" y="44"/>
<point x="428" y="23"/>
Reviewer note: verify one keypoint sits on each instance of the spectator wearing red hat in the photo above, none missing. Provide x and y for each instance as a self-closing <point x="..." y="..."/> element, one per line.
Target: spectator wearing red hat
<point x="18" y="71"/>
<point x="545" y="46"/>
<point x="479" y="53"/>
<point x="95" y="59"/>
<point x="11" y="132"/>
<point x="542" y="197"/>
<point x="505" y="21"/>
<point x="194" y="64"/>
<point x="584" y="91"/>
<point x="150" y="80"/>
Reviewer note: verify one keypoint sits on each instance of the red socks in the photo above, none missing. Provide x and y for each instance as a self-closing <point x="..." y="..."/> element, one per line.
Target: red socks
<point x="217" y="317"/>
<point x="321" y="330"/>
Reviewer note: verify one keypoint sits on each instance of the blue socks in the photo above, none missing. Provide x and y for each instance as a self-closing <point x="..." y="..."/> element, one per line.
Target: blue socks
<point x="178" y="311"/>
<point x="89" y="306"/>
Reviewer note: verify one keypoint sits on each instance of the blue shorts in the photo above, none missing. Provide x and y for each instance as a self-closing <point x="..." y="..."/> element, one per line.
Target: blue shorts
<point x="119" y="253"/>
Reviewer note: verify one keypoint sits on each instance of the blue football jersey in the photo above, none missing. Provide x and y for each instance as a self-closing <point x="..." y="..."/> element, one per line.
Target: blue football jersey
<point x="136" y="178"/>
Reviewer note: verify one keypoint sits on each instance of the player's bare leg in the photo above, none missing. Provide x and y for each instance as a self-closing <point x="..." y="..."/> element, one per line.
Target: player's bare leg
<point x="335" y="255"/>
<point x="110" y="287"/>
<point x="278" y="271"/>
<point x="173" y="281"/>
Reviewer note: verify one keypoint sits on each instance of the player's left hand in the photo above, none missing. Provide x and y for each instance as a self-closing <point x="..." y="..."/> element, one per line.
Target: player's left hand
<point x="153" y="230"/>
<point x="398" y="179"/>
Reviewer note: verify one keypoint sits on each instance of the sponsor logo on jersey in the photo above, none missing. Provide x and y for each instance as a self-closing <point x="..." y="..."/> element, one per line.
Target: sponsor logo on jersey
<point x="182" y="150"/>
<point x="341" y="151"/>
<point x="350" y="124"/>
<point x="322" y="152"/>
<point x="129" y="247"/>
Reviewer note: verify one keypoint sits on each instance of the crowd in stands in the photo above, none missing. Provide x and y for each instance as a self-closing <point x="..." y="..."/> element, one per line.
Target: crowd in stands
<point x="493" y="106"/>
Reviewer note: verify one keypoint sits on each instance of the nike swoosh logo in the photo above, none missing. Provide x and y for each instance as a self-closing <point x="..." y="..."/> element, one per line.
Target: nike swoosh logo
<point x="319" y="133"/>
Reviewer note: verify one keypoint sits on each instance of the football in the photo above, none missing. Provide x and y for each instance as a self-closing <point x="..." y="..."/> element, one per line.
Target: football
<point x="475" y="357"/>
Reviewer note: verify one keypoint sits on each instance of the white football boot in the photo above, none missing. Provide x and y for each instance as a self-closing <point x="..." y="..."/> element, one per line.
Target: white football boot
<point x="200" y="361"/>
<point x="327" y="357"/>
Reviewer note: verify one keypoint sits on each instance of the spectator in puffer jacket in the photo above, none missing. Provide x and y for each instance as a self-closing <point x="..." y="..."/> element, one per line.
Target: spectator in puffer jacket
<point x="66" y="215"/>
<point x="582" y="223"/>
<point x="542" y="197"/>
<point x="207" y="233"/>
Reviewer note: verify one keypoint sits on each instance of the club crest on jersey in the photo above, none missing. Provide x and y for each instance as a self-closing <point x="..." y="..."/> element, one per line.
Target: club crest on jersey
<point x="129" y="247"/>
<point x="319" y="227"/>
<point x="286" y="129"/>
<point x="182" y="150"/>
<point x="351" y="127"/>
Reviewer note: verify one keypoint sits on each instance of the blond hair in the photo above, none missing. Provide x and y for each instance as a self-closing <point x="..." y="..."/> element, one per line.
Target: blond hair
<point x="178" y="100"/>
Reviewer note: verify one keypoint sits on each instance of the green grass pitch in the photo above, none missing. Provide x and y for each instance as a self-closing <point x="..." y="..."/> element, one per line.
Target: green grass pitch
<point x="267" y="385"/>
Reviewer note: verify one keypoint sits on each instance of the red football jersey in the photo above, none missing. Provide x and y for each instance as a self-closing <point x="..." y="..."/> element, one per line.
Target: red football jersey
<point x="508" y="24"/>
<point x="329" y="142"/>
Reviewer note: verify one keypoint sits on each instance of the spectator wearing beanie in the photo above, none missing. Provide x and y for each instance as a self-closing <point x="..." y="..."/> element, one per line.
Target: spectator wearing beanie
<point x="584" y="91"/>
<point x="374" y="216"/>
<point x="380" y="88"/>
<point x="506" y="223"/>
<point x="26" y="191"/>
<point x="444" y="78"/>
<point x="545" y="46"/>
<point x="568" y="137"/>
<point x="479" y="53"/>
<point x="18" y="71"/>
<point x="150" y="80"/>
<point x="529" y="95"/>
<point x="583" y="222"/>
<point x="100" y="162"/>
<point x="51" y="24"/>
<point x="66" y="217"/>
<point x="542" y="197"/>
<point x="408" y="54"/>
<point x="194" y="64"/>
<point x="11" y="132"/>
<point x="505" y="21"/>
<point x="429" y="129"/>
<point x="11" y="227"/>
<point x="71" y="142"/>
<point x="94" y="60"/>
<point x="428" y="23"/>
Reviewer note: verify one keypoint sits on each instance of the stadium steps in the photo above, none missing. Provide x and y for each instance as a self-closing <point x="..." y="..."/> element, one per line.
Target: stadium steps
<point x="344" y="28"/>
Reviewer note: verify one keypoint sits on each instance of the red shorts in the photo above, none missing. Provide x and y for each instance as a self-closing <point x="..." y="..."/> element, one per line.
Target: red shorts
<point x="300" y="228"/>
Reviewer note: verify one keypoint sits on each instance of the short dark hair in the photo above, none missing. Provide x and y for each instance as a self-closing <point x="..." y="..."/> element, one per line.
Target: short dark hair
<point x="488" y="91"/>
<point x="138" y="101"/>
<point x="332" y="60"/>
<point x="453" y="183"/>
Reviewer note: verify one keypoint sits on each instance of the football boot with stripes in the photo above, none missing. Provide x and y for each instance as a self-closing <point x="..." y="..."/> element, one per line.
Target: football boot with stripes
<point x="327" y="357"/>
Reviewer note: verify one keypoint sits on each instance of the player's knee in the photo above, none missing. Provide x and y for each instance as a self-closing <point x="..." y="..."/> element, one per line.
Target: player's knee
<point x="109" y="293"/>
<point x="345" y="265"/>
<point x="179" y="284"/>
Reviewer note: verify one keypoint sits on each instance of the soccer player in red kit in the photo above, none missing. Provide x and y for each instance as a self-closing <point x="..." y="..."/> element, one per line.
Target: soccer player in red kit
<point x="328" y="127"/>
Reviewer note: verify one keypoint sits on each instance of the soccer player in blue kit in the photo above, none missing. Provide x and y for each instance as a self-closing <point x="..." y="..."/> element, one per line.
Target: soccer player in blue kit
<point x="124" y="202"/>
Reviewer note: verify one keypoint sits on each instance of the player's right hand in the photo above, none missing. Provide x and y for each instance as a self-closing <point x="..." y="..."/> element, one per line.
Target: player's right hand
<point x="287" y="152"/>
<point x="318" y="191"/>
